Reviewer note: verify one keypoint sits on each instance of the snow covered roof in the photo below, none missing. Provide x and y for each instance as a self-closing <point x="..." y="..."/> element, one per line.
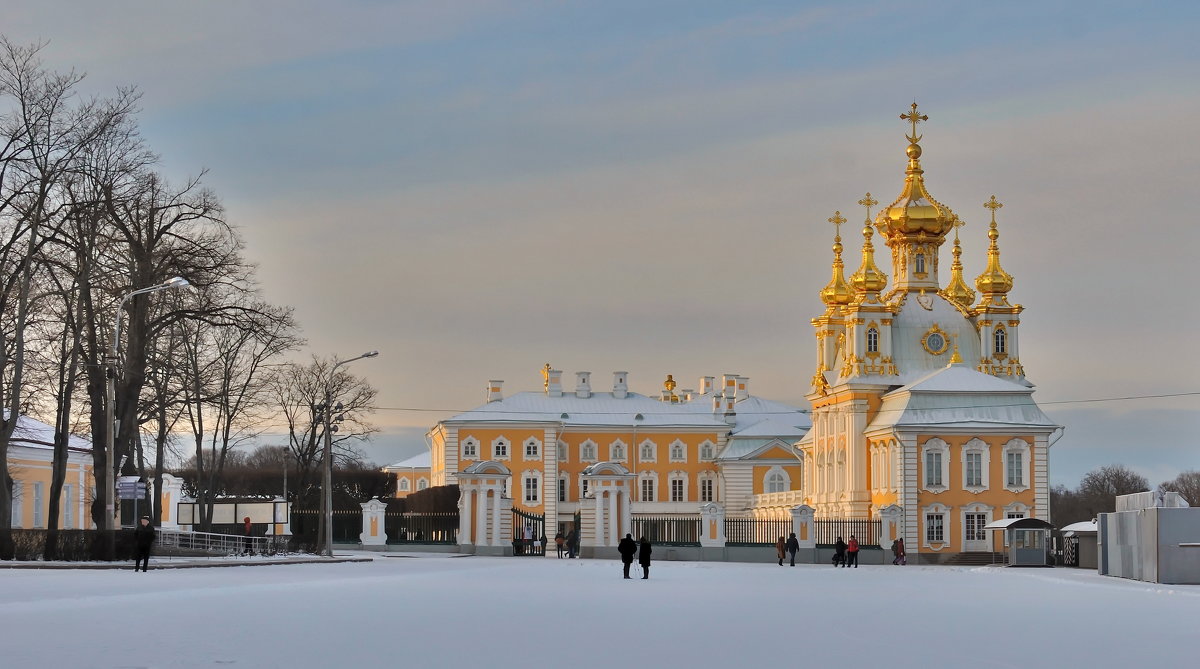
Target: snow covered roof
<point x="421" y="460"/>
<point x="738" y="449"/>
<point x="33" y="433"/>
<point x="957" y="396"/>
<point x="1084" y="526"/>
<point x="1019" y="524"/>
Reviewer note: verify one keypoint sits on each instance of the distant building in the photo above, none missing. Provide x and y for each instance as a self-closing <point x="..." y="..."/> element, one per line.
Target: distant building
<point x="30" y="454"/>
<point x="412" y="474"/>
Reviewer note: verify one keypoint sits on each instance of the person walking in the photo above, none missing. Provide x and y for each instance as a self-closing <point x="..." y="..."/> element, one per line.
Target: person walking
<point x="780" y="549"/>
<point x="143" y="537"/>
<point x="572" y="543"/>
<point x="898" y="552"/>
<point x="839" y="553"/>
<point x="644" y="551"/>
<point x="627" y="548"/>
<point x="559" y="543"/>
<point x="852" y="552"/>
<point x="246" y="550"/>
<point x="793" y="545"/>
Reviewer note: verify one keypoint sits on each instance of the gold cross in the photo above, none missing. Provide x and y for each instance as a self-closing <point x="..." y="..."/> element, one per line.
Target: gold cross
<point x="837" y="219"/>
<point x="546" y="377"/>
<point x="914" y="118"/>
<point x="868" y="202"/>
<point x="957" y="223"/>
<point x="993" y="205"/>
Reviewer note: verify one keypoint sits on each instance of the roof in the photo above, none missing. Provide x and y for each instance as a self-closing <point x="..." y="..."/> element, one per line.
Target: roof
<point x="1087" y="526"/>
<point x="1018" y="524"/>
<point x="739" y="449"/>
<point x="33" y="433"/>
<point x="422" y="460"/>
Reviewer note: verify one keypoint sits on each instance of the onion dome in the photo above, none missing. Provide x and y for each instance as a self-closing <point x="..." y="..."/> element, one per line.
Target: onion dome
<point x="915" y="212"/>
<point x="837" y="292"/>
<point x="868" y="278"/>
<point x="994" y="280"/>
<point x="958" y="291"/>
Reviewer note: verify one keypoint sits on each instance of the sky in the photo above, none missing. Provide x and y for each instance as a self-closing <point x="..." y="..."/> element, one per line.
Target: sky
<point x="476" y="188"/>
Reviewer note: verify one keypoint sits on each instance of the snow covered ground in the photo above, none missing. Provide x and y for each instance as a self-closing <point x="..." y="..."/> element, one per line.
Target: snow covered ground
<point x="438" y="611"/>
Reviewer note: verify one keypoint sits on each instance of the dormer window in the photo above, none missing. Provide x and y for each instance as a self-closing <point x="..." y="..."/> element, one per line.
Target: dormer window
<point x="872" y="340"/>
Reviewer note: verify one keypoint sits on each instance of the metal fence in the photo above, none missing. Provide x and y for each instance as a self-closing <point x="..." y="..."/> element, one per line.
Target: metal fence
<point x="867" y="531"/>
<point x="756" y="531"/>
<point x="221" y="544"/>
<point x="410" y="527"/>
<point x="668" y="530"/>
<point x="347" y="524"/>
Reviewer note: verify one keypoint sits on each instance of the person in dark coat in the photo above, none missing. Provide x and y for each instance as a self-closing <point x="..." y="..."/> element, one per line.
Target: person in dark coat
<point x="793" y="545"/>
<point x="559" y="543"/>
<point x="839" y="553"/>
<point x="143" y="537"/>
<point x="897" y="551"/>
<point x="627" y="548"/>
<point x="780" y="550"/>
<point x="644" y="551"/>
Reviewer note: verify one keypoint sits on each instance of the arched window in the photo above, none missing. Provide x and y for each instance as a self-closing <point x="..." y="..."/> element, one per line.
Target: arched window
<point x="776" y="482"/>
<point x="470" y="448"/>
<point x="404" y="487"/>
<point x="587" y="451"/>
<point x="422" y="484"/>
<point x="872" y="340"/>
<point x="616" y="451"/>
<point x="706" y="451"/>
<point x="647" y="451"/>
<point x="920" y="263"/>
<point x="1000" y="339"/>
<point x="678" y="451"/>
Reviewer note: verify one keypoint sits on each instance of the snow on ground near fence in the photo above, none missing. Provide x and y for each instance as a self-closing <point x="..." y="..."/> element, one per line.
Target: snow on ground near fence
<point x="532" y="612"/>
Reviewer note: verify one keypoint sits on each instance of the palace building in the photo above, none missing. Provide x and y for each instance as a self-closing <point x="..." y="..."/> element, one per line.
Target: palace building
<point x="919" y="399"/>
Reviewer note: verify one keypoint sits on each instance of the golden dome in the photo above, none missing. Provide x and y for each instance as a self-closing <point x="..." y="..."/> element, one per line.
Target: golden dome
<point x="994" y="280"/>
<point x="958" y="292"/>
<point x="868" y="278"/>
<point x="837" y="292"/>
<point x="915" y="212"/>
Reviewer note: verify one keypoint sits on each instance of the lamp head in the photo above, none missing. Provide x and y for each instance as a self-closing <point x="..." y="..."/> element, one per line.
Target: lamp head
<point x="176" y="282"/>
<point x="370" y="354"/>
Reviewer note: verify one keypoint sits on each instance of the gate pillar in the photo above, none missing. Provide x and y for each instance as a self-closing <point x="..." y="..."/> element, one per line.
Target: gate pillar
<point x="608" y="508"/>
<point x="891" y="526"/>
<point x="804" y="525"/>
<point x="484" y="513"/>
<point x="373" y="533"/>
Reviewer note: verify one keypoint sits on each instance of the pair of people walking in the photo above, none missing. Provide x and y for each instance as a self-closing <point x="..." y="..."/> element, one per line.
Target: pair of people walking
<point x="845" y="553"/>
<point x="787" y="548"/>
<point x="628" y="547"/>
<point x="898" y="557"/>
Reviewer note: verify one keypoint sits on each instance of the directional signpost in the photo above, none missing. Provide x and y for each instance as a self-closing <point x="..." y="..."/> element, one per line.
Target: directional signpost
<point x="131" y="487"/>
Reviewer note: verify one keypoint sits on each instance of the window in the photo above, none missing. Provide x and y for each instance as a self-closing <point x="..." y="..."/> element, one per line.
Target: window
<point x="973" y="527"/>
<point x="776" y="482"/>
<point x="616" y="451"/>
<point x="647" y="451"/>
<point x="1014" y="514"/>
<point x="68" y="505"/>
<point x="18" y="494"/>
<point x="974" y="475"/>
<point x="562" y="490"/>
<point x="587" y="451"/>
<point x="920" y="263"/>
<point x="706" y="490"/>
<point x="999" y="340"/>
<point x="706" y="450"/>
<point x="533" y="449"/>
<point x="872" y="340"/>
<point x="933" y="469"/>
<point x="470" y="449"/>
<point x="934" y="528"/>
<point x="531" y="490"/>
<point x="677" y="490"/>
<point x="562" y="452"/>
<point x="500" y="448"/>
<point x="678" y="451"/>
<point x="422" y="483"/>
<point x="583" y="487"/>
<point x="39" y="517"/>
<point x="1014" y="469"/>
<point x="647" y="490"/>
<point x="404" y="486"/>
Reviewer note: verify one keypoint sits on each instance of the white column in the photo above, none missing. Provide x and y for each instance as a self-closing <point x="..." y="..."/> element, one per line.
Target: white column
<point x="464" y="515"/>
<point x="481" y="517"/>
<point x="496" y="517"/>
<point x="614" y="525"/>
<point x="373" y="533"/>
<point x="598" y="503"/>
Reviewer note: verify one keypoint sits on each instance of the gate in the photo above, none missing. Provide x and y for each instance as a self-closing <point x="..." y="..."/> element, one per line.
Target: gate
<point x="529" y="533"/>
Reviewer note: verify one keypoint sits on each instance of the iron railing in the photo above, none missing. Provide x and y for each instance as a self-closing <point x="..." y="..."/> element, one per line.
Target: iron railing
<point x="865" y="530"/>
<point x="409" y="527"/>
<point x="668" y="530"/>
<point x="220" y="544"/>
<point x="756" y="531"/>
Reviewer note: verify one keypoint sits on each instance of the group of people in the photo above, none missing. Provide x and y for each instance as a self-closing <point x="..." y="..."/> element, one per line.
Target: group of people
<point x="568" y="545"/>
<point x="628" y="547"/>
<point x="788" y="547"/>
<point x="845" y="553"/>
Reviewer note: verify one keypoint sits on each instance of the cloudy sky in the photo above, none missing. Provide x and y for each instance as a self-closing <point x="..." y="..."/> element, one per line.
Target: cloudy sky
<point x="476" y="188"/>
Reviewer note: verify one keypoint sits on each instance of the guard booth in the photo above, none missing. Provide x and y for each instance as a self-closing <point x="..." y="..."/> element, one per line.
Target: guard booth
<point x="1027" y="539"/>
<point x="1079" y="545"/>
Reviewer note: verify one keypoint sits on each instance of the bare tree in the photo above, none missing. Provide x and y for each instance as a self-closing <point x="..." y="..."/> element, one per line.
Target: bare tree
<point x="1186" y="484"/>
<point x="1099" y="488"/>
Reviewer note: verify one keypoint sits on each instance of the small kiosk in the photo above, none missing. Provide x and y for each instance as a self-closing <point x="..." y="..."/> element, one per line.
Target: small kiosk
<point x="1027" y="539"/>
<point x="1079" y="545"/>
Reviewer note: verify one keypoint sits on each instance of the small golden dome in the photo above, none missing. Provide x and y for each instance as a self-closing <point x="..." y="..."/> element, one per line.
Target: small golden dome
<point x="915" y="212"/>
<point x="868" y="278"/>
<point x="837" y="292"/>
<point x="958" y="292"/>
<point x="994" y="280"/>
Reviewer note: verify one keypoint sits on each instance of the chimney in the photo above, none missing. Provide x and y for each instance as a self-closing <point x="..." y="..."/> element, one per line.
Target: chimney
<point x="730" y="412"/>
<point x="718" y="405"/>
<point x="686" y="394"/>
<point x="706" y="385"/>
<point x="620" y="387"/>
<point x="554" y="383"/>
<point x="583" y="386"/>
<point x="743" y="387"/>
<point x="728" y="385"/>
<point x="495" y="393"/>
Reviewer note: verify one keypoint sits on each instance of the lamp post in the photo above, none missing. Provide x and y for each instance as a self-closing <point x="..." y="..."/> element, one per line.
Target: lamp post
<point x="327" y="482"/>
<point x="110" y="420"/>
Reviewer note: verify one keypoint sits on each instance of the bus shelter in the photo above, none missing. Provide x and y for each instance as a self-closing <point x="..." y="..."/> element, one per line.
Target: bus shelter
<point x="1028" y="540"/>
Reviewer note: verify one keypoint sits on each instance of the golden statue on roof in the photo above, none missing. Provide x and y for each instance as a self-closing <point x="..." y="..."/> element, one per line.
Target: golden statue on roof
<point x="546" y="377"/>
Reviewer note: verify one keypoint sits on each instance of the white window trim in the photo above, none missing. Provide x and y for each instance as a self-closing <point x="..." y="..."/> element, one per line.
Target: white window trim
<point x="562" y="451"/>
<point x="1017" y="446"/>
<point x="404" y="485"/>
<point x="39" y="516"/>
<point x="678" y="476"/>
<point x="642" y="450"/>
<point x="935" y="445"/>
<point x="977" y="507"/>
<point x="652" y="476"/>
<point x="712" y="451"/>
<point x="1017" y="507"/>
<point x="944" y="511"/>
<point x="679" y="446"/>
<point x="624" y="454"/>
<point x="501" y="440"/>
<point x="700" y="480"/>
<point x="787" y="480"/>
<point x="525" y="477"/>
<point x="470" y="448"/>
<point x="584" y="447"/>
<point x="977" y="445"/>
<point x="422" y="483"/>
<point x="537" y="449"/>
<point x="566" y="490"/>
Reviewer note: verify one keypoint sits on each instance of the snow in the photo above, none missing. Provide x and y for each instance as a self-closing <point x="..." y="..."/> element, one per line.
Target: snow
<point x="419" y="461"/>
<point x="441" y="611"/>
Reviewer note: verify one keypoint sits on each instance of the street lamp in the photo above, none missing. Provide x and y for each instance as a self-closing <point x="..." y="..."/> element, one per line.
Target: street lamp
<point x="110" y="421"/>
<point x="327" y="483"/>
